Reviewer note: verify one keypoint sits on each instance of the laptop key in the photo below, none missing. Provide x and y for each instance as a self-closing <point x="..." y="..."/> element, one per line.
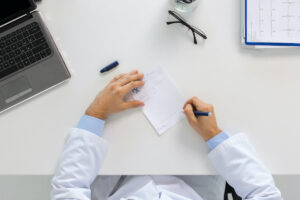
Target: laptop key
<point x="40" y="48"/>
<point x="18" y="31"/>
<point x="19" y="44"/>
<point x="29" y="47"/>
<point x="6" y="65"/>
<point x="38" y="57"/>
<point x="39" y="42"/>
<point x="13" y="46"/>
<point x="25" y="34"/>
<point x="34" y="30"/>
<point x="20" y="37"/>
<point x="26" y="62"/>
<point x="43" y="54"/>
<point x="13" y="40"/>
<point x="23" y="49"/>
<point x="34" y="24"/>
<point x="23" y="56"/>
<point x="20" y="65"/>
<point x="18" y="52"/>
<point x="29" y="54"/>
<point x="6" y="57"/>
<point x="48" y="52"/>
<point x="18" y="59"/>
<point x="8" y="49"/>
<point x="8" y="42"/>
<point x="31" y="38"/>
<point x="38" y="35"/>
<point x="11" y="54"/>
<point x="25" y="41"/>
<point x="32" y="60"/>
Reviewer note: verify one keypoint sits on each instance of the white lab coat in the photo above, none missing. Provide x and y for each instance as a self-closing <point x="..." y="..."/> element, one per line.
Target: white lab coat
<point x="235" y="159"/>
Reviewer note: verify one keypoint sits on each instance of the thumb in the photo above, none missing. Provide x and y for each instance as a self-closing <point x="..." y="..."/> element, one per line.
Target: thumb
<point x="189" y="112"/>
<point x="133" y="104"/>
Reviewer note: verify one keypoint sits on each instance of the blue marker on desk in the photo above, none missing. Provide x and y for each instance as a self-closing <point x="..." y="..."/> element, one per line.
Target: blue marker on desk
<point x="199" y="113"/>
<point x="109" y="67"/>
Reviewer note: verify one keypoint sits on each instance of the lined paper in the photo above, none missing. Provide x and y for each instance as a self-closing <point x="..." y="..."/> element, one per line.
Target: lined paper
<point x="163" y="102"/>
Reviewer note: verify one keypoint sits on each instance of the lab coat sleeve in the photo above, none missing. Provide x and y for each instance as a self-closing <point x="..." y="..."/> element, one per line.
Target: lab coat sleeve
<point x="236" y="160"/>
<point x="78" y="165"/>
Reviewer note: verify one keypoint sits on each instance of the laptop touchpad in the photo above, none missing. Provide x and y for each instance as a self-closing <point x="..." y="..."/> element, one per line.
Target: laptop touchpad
<point x="16" y="89"/>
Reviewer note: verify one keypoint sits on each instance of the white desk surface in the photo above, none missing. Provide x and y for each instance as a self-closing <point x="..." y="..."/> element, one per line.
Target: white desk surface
<point x="256" y="92"/>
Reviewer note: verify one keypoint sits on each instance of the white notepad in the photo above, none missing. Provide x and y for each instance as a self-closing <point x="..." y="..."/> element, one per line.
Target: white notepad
<point x="163" y="102"/>
<point x="273" y="21"/>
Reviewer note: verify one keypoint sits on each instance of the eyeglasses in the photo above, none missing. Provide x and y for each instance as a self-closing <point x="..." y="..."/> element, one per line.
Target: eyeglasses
<point x="181" y="20"/>
<point x="185" y="1"/>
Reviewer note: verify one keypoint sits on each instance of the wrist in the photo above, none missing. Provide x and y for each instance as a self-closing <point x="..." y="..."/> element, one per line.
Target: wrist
<point x="99" y="114"/>
<point x="211" y="134"/>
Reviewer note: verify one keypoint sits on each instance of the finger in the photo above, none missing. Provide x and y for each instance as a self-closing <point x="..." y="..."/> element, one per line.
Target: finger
<point x="117" y="77"/>
<point x="130" y="86"/>
<point x="186" y="103"/>
<point x="130" y="77"/>
<point x="190" y="101"/>
<point x="200" y="105"/>
<point x="188" y="111"/>
<point x="132" y="104"/>
<point x="122" y="75"/>
<point x="134" y="72"/>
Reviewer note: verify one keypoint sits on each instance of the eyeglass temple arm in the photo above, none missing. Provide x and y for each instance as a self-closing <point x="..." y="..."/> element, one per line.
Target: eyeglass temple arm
<point x="195" y="39"/>
<point x="173" y="22"/>
<point x="199" y="33"/>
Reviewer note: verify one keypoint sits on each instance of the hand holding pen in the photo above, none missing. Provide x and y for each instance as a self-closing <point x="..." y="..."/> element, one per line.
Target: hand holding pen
<point x="201" y="117"/>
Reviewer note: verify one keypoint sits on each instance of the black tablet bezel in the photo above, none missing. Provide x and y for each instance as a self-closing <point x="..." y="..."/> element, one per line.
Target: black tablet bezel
<point x="20" y="13"/>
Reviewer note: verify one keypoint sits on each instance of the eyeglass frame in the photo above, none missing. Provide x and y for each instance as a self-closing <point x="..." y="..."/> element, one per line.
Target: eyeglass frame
<point x="183" y="22"/>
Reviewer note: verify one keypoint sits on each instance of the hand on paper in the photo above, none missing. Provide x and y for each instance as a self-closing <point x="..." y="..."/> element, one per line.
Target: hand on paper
<point x="111" y="99"/>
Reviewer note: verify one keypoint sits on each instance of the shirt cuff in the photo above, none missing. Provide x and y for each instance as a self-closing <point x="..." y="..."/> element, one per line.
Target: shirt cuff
<point x="218" y="139"/>
<point x="91" y="124"/>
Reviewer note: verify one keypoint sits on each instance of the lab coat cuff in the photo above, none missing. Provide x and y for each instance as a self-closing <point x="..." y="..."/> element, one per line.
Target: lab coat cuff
<point x="216" y="140"/>
<point x="91" y="124"/>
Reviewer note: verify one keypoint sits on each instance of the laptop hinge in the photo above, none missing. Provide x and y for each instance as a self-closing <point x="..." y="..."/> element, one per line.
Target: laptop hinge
<point x="15" y="22"/>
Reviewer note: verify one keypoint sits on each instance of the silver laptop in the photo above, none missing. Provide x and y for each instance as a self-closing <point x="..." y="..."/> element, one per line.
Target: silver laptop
<point x="29" y="60"/>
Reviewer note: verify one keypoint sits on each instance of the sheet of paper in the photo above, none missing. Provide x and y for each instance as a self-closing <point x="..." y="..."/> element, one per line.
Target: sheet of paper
<point x="275" y="21"/>
<point x="163" y="102"/>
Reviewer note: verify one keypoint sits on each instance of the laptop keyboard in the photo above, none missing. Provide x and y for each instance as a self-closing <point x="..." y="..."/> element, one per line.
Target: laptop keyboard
<point x="22" y="48"/>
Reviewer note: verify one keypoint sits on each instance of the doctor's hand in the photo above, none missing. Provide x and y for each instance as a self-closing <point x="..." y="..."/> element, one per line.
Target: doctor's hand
<point x="111" y="99"/>
<point x="205" y="126"/>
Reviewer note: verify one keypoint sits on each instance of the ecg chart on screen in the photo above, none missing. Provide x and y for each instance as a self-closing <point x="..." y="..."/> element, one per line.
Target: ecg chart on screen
<point x="274" y="19"/>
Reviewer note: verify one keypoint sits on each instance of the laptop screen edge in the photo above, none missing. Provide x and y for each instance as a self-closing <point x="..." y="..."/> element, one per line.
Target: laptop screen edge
<point x="18" y="14"/>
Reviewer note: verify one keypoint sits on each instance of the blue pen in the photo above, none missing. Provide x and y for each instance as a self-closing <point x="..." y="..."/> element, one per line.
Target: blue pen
<point x="199" y="113"/>
<point x="109" y="67"/>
